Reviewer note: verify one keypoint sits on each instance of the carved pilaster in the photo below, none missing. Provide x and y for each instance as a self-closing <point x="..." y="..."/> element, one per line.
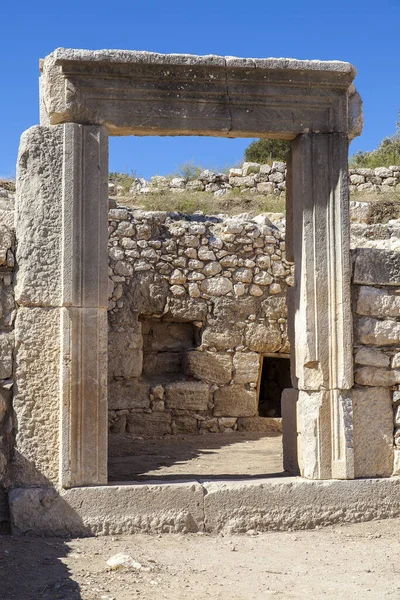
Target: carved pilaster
<point x="322" y="304"/>
<point x="83" y="423"/>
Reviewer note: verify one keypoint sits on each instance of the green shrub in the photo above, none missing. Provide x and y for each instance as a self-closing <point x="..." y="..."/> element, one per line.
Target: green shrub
<point x="386" y="154"/>
<point x="265" y="151"/>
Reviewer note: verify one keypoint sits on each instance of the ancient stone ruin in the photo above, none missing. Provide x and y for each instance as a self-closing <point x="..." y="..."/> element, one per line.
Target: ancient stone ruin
<point x="123" y="323"/>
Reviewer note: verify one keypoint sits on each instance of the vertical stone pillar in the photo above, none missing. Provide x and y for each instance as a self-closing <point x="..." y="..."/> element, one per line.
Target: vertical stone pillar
<point x="61" y="289"/>
<point x="322" y="305"/>
<point x="83" y="425"/>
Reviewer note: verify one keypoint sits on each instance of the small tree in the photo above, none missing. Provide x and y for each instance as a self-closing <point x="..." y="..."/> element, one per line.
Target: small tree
<point x="265" y="151"/>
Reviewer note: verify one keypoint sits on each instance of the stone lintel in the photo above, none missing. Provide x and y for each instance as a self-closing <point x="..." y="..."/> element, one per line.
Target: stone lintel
<point x="142" y="93"/>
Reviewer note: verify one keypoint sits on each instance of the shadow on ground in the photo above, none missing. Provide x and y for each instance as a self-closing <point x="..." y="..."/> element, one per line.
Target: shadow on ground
<point x="238" y="455"/>
<point x="32" y="569"/>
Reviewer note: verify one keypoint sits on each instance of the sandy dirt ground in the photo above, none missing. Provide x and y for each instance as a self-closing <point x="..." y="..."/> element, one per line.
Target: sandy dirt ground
<point x="353" y="562"/>
<point x="205" y="456"/>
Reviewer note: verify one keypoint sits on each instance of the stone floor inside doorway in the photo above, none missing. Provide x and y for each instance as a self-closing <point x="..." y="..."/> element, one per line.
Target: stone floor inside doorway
<point x="209" y="456"/>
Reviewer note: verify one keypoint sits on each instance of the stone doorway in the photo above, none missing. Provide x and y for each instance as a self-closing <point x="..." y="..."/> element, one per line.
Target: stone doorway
<point x="61" y="287"/>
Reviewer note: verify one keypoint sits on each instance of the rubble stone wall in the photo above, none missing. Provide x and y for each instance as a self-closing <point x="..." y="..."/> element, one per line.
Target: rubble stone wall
<point x="194" y="303"/>
<point x="255" y="178"/>
<point x="7" y="315"/>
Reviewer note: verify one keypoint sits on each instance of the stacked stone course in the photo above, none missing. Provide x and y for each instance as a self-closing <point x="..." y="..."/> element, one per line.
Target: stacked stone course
<point x="257" y="179"/>
<point x="228" y="278"/>
<point x="377" y="353"/>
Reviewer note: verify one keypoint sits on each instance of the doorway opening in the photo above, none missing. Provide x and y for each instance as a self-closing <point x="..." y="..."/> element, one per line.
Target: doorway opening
<point x="275" y="377"/>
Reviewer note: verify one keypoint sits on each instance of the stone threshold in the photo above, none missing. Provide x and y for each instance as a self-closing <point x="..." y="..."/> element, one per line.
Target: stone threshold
<point x="224" y="506"/>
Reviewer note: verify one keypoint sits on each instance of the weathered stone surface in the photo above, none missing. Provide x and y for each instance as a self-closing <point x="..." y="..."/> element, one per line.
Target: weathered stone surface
<point x="289" y="431"/>
<point x="230" y="506"/>
<point x="39" y="217"/>
<point x="221" y="340"/>
<point x="283" y="503"/>
<point x="266" y="424"/>
<point x="209" y="366"/>
<point x="376" y="377"/>
<point x="83" y="396"/>
<point x="246" y="367"/>
<point x="125" y="355"/>
<point x="377" y="302"/>
<point x="37" y="396"/>
<point x="374" y="266"/>
<point x="263" y="337"/>
<point x="216" y="286"/>
<point x="149" y="424"/>
<point x="110" y="510"/>
<point x="373" y="432"/>
<point x="183" y="424"/>
<point x="273" y="115"/>
<point x="187" y="395"/>
<point x="275" y="307"/>
<point x="186" y="310"/>
<point x="7" y="302"/>
<point x="128" y="394"/>
<point x="313" y="418"/>
<point x="378" y="333"/>
<point x="6" y="355"/>
<point x="371" y="357"/>
<point x="322" y="298"/>
<point x="235" y="401"/>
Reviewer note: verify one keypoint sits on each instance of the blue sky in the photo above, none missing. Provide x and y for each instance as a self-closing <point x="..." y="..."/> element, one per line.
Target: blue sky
<point x="365" y="33"/>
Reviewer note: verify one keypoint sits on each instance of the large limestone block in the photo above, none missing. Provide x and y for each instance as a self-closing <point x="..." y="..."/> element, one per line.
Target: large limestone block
<point x="374" y="266"/>
<point x="371" y="357"/>
<point x="378" y="333"/>
<point x="221" y="339"/>
<point x="175" y="507"/>
<point x="170" y="109"/>
<point x="37" y="396"/>
<point x="373" y="432"/>
<point x="377" y="377"/>
<point x="149" y="424"/>
<point x="210" y="366"/>
<point x="263" y="337"/>
<point x="125" y="355"/>
<point x="377" y="302"/>
<point x="39" y="216"/>
<point x="187" y="395"/>
<point x="264" y="424"/>
<point x="247" y="367"/>
<point x="130" y="394"/>
<point x="235" y="401"/>
<point x="313" y="426"/>
<point x="286" y="503"/>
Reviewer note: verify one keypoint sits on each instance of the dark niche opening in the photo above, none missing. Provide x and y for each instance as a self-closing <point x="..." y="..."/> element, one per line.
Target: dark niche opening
<point x="165" y="345"/>
<point x="275" y="377"/>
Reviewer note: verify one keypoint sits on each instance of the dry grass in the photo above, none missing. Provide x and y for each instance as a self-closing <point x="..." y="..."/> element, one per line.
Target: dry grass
<point x="189" y="202"/>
